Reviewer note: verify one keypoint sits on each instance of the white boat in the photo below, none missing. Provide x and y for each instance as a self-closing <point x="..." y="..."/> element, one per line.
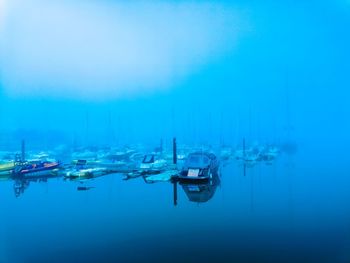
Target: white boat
<point x="153" y="163"/>
<point x="86" y="173"/>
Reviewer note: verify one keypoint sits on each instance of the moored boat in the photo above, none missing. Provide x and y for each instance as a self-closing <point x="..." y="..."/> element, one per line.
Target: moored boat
<point x="199" y="166"/>
<point x="85" y="173"/>
<point x="36" y="168"/>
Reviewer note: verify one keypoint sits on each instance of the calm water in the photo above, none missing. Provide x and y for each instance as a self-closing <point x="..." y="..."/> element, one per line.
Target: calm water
<point x="291" y="211"/>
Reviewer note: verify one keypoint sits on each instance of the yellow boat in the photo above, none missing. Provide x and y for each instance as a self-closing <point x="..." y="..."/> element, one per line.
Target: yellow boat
<point x="6" y="166"/>
<point x="6" y="170"/>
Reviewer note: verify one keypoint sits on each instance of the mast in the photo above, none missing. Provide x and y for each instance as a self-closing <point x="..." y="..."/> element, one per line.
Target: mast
<point x="110" y="131"/>
<point x="87" y="126"/>
<point x="23" y="151"/>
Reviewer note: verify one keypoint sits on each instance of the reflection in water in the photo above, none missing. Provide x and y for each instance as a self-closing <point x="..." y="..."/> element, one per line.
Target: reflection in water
<point x="19" y="186"/>
<point x="199" y="192"/>
<point x="22" y="183"/>
<point x="263" y="212"/>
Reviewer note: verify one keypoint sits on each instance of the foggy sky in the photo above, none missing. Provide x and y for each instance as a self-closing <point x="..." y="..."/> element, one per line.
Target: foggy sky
<point x="216" y="68"/>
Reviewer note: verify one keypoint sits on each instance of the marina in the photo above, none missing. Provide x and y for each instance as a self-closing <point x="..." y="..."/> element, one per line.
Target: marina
<point x="191" y="166"/>
<point x="174" y="131"/>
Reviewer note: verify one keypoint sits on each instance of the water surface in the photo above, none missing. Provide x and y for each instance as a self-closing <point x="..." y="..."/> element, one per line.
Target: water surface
<point x="291" y="211"/>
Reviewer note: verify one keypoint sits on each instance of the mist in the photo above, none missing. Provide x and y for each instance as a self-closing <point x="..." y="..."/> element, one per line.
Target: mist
<point x="208" y="72"/>
<point x="95" y="94"/>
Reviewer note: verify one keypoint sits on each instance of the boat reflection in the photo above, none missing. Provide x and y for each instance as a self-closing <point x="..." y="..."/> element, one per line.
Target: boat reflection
<point x="198" y="192"/>
<point x="22" y="183"/>
<point x="19" y="186"/>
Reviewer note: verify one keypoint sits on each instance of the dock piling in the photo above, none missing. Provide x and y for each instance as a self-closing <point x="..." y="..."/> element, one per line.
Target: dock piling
<point x="174" y="151"/>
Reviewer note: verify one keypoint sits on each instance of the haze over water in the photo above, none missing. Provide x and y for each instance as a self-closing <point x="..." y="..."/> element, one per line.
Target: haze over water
<point x="109" y="73"/>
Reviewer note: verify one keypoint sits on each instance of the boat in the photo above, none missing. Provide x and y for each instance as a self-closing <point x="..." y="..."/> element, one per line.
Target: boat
<point x="119" y="155"/>
<point x="199" y="166"/>
<point x="153" y="163"/>
<point x="84" y="155"/>
<point x="85" y="173"/>
<point x="225" y="153"/>
<point x="110" y="164"/>
<point x="6" y="167"/>
<point x="257" y="153"/>
<point x="36" y="168"/>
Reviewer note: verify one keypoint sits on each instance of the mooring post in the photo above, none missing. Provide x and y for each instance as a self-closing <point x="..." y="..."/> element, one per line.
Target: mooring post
<point x="244" y="149"/>
<point x="174" y="151"/>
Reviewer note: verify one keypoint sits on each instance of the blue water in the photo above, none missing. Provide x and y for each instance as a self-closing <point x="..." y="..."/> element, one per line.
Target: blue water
<point x="287" y="212"/>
